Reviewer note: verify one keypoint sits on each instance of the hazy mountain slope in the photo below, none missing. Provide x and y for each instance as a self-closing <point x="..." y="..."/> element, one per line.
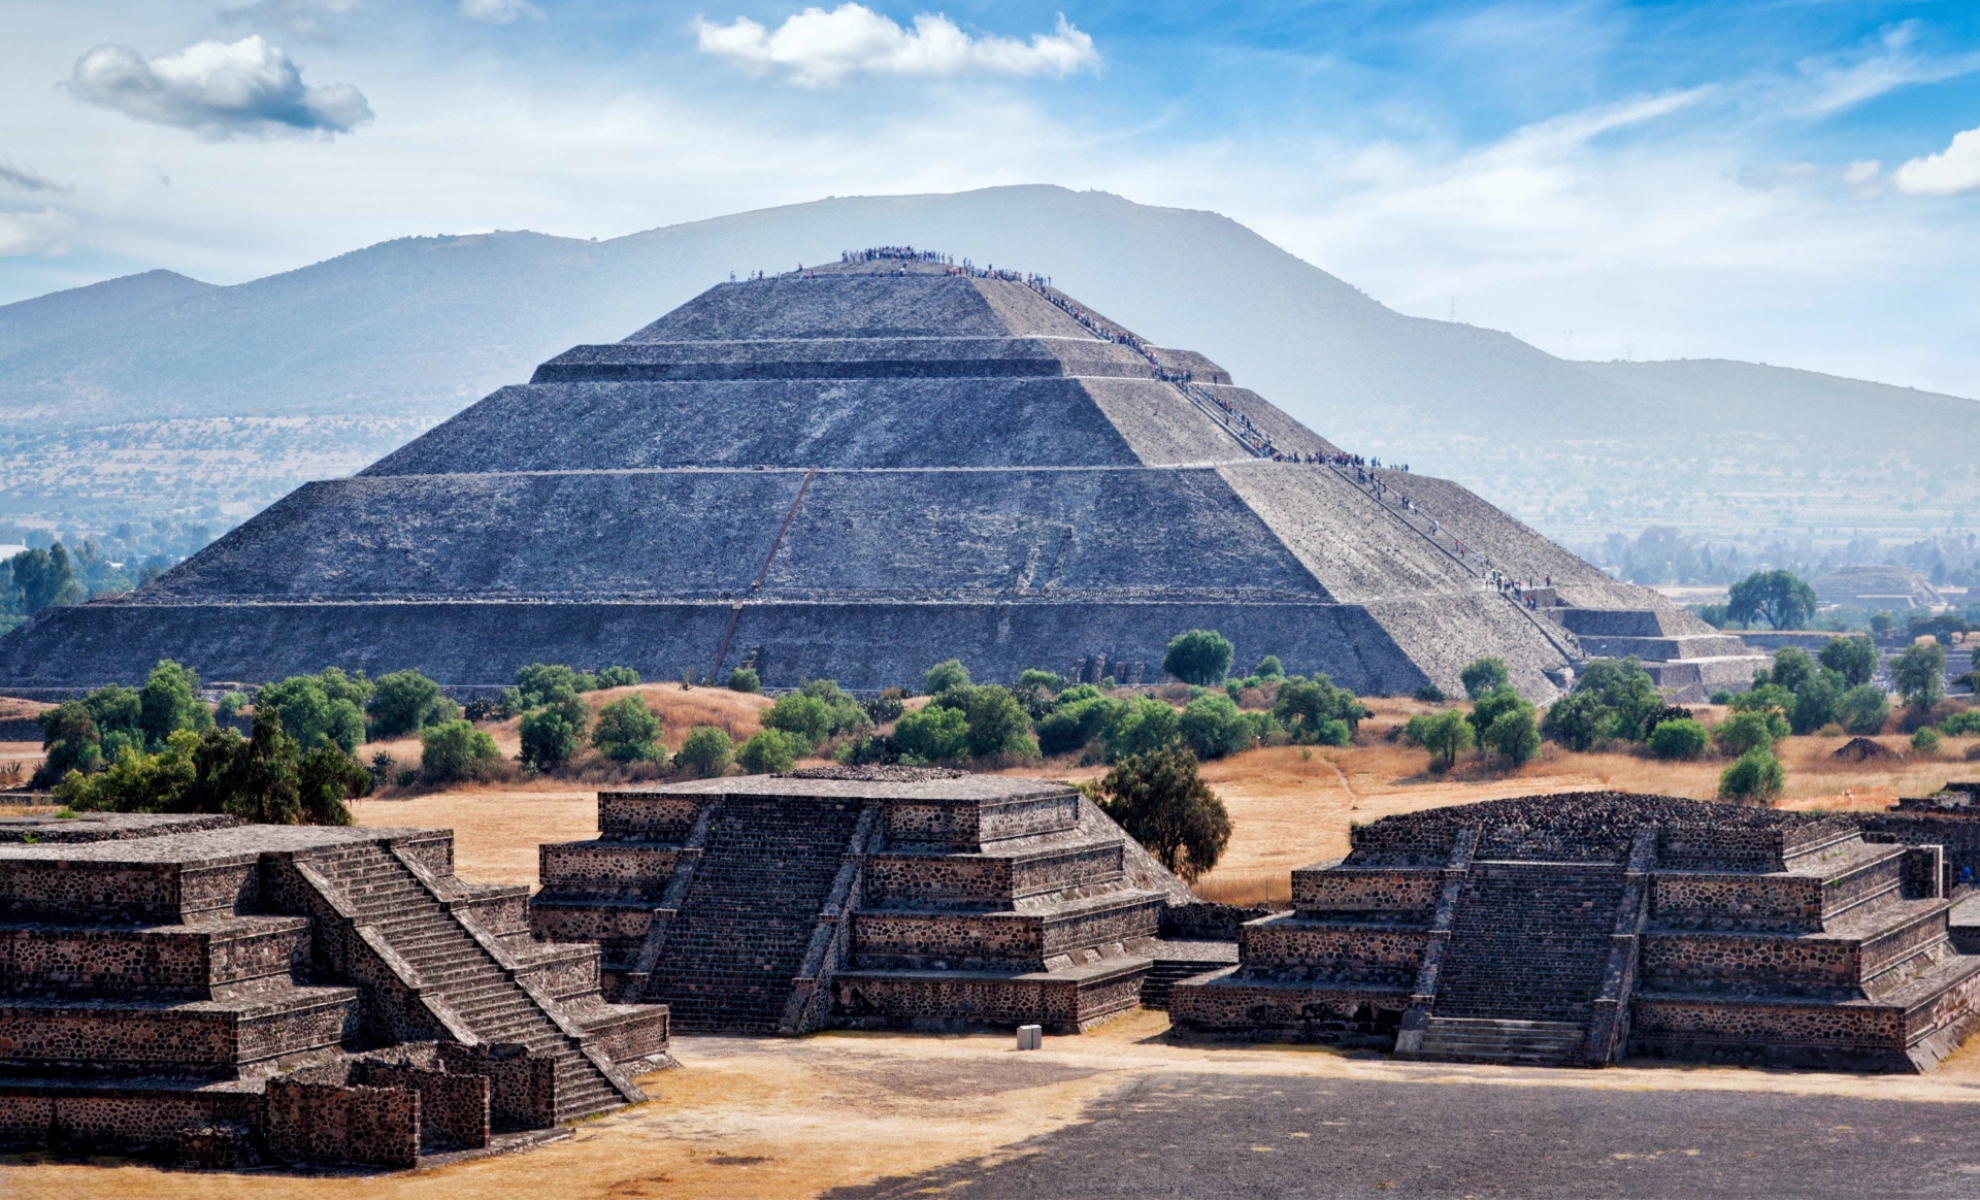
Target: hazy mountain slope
<point x="79" y="310"/>
<point x="405" y="332"/>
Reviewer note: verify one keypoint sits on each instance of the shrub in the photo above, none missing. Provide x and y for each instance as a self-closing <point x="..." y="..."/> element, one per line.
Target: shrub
<point x="315" y="709"/>
<point x="70" y="741"/>
<point x="406" y="701"/>
<point x="1200" y="656"/>
<point x="1864" y="709"/>
<point x="1680" y="739"/>
<point x="1212" y="727"/>
<point x="628" y="731"/>
<point x="1269" y="667"/>
<point x="539" y="683"/>
<point x="1445" y="735"/>
<point x="1161" y="801"/>
<point x="455" y="752"/>
<point x="805" y="717"/>
<point x="1926" y="741"/>
<point x="943" y="676"/>
<point x="552" y="734"/>
<point x="1964" y="723"/>
<point x="1854" y="658"/>
<point x="1034" y="680"/>
<point x="1577" y="720"/>
<point x="1141" y="726"/>
<point x="614" y="677"/>
<point x="169" y="702"/>
<point x="1792" y="668"/>
<point x="1777" y="597"/>
<point x="997" y="723"/>
<point x="743" y="679"/>
<point x="1315" y="712"/>
<point x="1430" y="693"/>
<point x="886" y="707"/>
<point x="1484" y="675"/>
<point x="1744" y="732"/>
<point x="932" y="734"/>
<point x="770" y="751"/>
<point x="1626" y="691"/>
<point x="705" y="752"/>
<point x="1071" y="726"/>
<point x="230" y="706"/>
<point x="1488" y="707"/>
<point x="1817" y="702"/>
<point x="1755" y="779"/>
<point x="844" y="714"/>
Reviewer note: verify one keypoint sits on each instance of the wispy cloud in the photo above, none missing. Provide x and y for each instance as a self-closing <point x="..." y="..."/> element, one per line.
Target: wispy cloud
<point x="1834" y="83"/>
<point x="499" y="12"/>
<point x="218" y="90"/>
<point x="45" y="232"/>
<point x="313" y="20"/>
<point x="816" y="48"/>
<point x="1952" y="170"/>
<point x="27" y="179"/>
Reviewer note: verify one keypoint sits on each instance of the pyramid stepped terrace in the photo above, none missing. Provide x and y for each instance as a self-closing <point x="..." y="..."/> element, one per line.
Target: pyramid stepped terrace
<point x="866" y="897"/>
<point x="1574" y="929"/>
<point x="213" y="993"/>
<point x="853" y="471"/>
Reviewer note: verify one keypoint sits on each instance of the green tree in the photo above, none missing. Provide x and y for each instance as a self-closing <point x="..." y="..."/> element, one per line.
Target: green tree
<point x="456" y="752"/>
<point x="1071" y="726"/>
<point x="627" y="731"/>
<point x="744" y="679"/>
<point x="1854" y="658"/>
<point x="70" y="741"/>
<point x="405" y="702"/>
<point x="1882" y="621"/>
<point x="1776" y="597"/>
<point x="1756" y="778"/>
<point x="1315" y="712"/>
<point x="1511" y="736"/>
<point x="1744" y="732"/>
<point x="1199" y="656"/>
<point x="1212" y="727"/>
<point x="804" y="716"/>
<point x="552" y="734"/>
<point x="1680" y="739"/>
<point x="1864" y="710"/>
<point x="539" y="683"/>
<point x="769" y="752"/>
<point x="1926" y="741"/>
<point x="1445" y="735"/>
<point x="1627" y="691"/>
<point x="1577" y="720"/>
<point x="886" y="707"/>
<point x="328" y="707"/>
<point x="1485" y="675"/>
<point x="1033" y="680"/>
<point x="1269" y="667"/>
<point x="943" y="676"/>
<point x="705" y="752"/>
<point x="169" y="702"/>
<point x="45" y="579"/>
<point x="1817" y="702"/>
<point x="1161" y="801"/>
<point x="1143" y="725"/>
<point x="1793" y="668"/>
<point x="1920" y="675"/>
<point x="1486" y="709"/>
<point x="998" y="724"/>
<point x="932" y="734"/>
<point x="618" y="677"/>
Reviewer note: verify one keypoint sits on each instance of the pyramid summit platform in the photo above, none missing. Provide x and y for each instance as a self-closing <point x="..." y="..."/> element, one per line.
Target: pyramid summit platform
<point x="852" y="472"/>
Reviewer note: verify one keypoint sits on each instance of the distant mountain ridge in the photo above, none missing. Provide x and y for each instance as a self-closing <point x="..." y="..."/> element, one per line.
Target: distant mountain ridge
<point x="416" y="329"/>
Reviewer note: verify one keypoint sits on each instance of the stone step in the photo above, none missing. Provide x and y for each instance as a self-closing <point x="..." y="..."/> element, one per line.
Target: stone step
<point x="1501" y="1041"/>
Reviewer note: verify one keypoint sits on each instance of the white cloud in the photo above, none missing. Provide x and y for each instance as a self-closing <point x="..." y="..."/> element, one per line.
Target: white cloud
<point x="45" y="232"/>
<point x="27" y="179"/>
<point x="499" y="12"/>
<point x="1862" y="172"/>
<point x="816" y="48"/>
<point x="217" y="90"/>
<point x="1952" y="170"/>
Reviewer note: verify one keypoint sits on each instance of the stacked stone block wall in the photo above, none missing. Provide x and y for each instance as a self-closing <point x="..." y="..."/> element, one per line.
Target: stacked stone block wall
<point x="328" y="1124"/>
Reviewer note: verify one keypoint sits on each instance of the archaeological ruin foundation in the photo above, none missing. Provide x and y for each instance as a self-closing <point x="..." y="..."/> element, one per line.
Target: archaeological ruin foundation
<point x="853" y="472"/>
<point x="1577" y="928"/>
<point x="216" y="994"/>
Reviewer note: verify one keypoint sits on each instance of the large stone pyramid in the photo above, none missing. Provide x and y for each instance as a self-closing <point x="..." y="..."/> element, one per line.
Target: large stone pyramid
<point x="853" y="472"/>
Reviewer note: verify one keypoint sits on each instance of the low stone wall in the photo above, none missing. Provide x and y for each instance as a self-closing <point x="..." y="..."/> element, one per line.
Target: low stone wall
<point x="625" y="868"/>
<point x="606" y="924"/>
<point x="942" y="1000"/>
<point x="96" y="1037"/>
<point x="1356" y="954"/>
<point x="1202" y="921"/>
<point x="1749" y="963"/>
<point x="119" y="1119"/>
<point x="1294" y="1010"/>
<point x="453" y="1109"/>
<point x="522" y="1087"/>
<point x="1000" y="940"/>
<point x="985" y="879"/>
<point x="1783" y="903"/>
<point x="1770" y="1032"/>
<point x="162" y="963"/>
<point x="966" y="824"/>
<point x="644" y="816"/>
<point x="1372" y="890"/>
<point x="327" y="1124"/>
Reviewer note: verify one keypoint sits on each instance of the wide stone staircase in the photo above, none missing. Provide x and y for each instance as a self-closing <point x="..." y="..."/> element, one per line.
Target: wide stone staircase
<point x="386" y="895"/>
<point x="739" y="939"/>
<point x="1528" y="948"/>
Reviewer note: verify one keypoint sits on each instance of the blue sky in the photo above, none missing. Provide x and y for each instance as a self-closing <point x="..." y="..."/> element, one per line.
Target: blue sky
<point x="1783" y="182"/>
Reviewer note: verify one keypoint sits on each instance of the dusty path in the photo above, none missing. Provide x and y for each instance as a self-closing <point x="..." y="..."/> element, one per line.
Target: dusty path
<point x="780" y="1119"/>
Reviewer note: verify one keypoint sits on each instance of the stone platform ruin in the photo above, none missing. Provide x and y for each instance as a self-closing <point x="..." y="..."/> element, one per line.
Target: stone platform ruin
<point x="856" y="471"/>
<point x="212" y="993"/>
<point x="905" y="899"/>
<point x="1575" y="929"/>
